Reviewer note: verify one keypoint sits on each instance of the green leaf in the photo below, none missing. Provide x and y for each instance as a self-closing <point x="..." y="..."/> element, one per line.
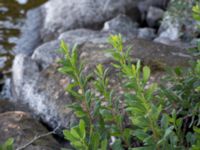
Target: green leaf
<point x="88" y="97"/>
<point x="94" y="141"/>
<point x="164" y="121"/>
<point x="65" y="70"/>
<point x="197" y="67"/>
<point x="130" y="85"/>
<point x="116" y="56"/>
<point x="140" y="134"/>
<point x="64" y="47"/>
<point x="155" y="111"/>
<point x="140" y="121"/>
<point x="138" y="66"/>
<point x="150" y="91"/>
<point x="80" y="114"/>
<point x="117" y="145"/>
<point x="127" y="54"/>
<point x="196" y="130"/>
<point x="69" y="136"/>
<point x="9" y="142"/>
<point x="196" y="12"/>
<point x="116" y="66"/>
<point x="100" y="69"/>
<point x="78" y="145"/>
<point x="107" y="115"/>
<point x="136" y="110"/>
<point x="168" y="131"/>
<point x="179" y="122"/>
<point x="146" y="74"/>
<point x="75" y="132"/>
<point x="82" y="129"/>
<point x="178" y="71"/>
<point x="104" y="144"/>
<point x="8" y="145"/>
<point x="143" y="148"/>
<point x="127" y="134"/>
<point x="74" y="55"/>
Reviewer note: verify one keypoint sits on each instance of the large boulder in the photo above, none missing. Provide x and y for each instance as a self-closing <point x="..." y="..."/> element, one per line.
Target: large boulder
<point x="178" y="23"/>
<point x="42" y="88"/>
<point x="23" y="128"/>
<point x="62" y="15"/>
<point x="42" y="91"/>
<point x="155" y="55"/>
<point x="154" y="16"/>
<point x="144" y="6"/>
<point x="123" y="25"/>
<point x="38" y="85"/>
<point x="146" y="33"/>
<point x="80" y="36"/>
<point x="48" y="52"/>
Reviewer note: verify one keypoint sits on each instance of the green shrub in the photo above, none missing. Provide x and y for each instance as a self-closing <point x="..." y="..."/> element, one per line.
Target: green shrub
<point x="184" y="92"/>
<point x="8" y="145"/>
<point x="196" y="12"/>
<point x="183" y="95"/>
<point x="103" y="121"/>
<point x="157" y="115"/>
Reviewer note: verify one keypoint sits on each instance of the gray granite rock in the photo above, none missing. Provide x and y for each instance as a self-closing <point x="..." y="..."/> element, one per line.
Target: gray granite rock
<point x="143" y="6"/>
<point x="123" y="25"/>
<point x="42" y="91"/>
<point x="146" y="33"/>
<point x="178" y="23"/>
<point x="62" y="15"/>
<point x="30" y="33"/>
<point x="154" y="15"/>
<point x="48" y="52"/>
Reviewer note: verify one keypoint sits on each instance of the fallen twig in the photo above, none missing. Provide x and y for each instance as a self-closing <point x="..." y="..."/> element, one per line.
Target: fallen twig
<point x="38" y="137"/>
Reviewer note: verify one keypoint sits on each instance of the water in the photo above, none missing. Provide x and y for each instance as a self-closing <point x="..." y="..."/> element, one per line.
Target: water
<point x="12" y="17"/>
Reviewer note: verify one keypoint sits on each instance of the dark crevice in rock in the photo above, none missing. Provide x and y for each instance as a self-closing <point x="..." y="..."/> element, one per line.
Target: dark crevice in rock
<point x="1" y="82"/>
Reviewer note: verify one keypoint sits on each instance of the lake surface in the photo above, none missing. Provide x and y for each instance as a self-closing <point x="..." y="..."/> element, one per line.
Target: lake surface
<point x="12" y="17"/>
